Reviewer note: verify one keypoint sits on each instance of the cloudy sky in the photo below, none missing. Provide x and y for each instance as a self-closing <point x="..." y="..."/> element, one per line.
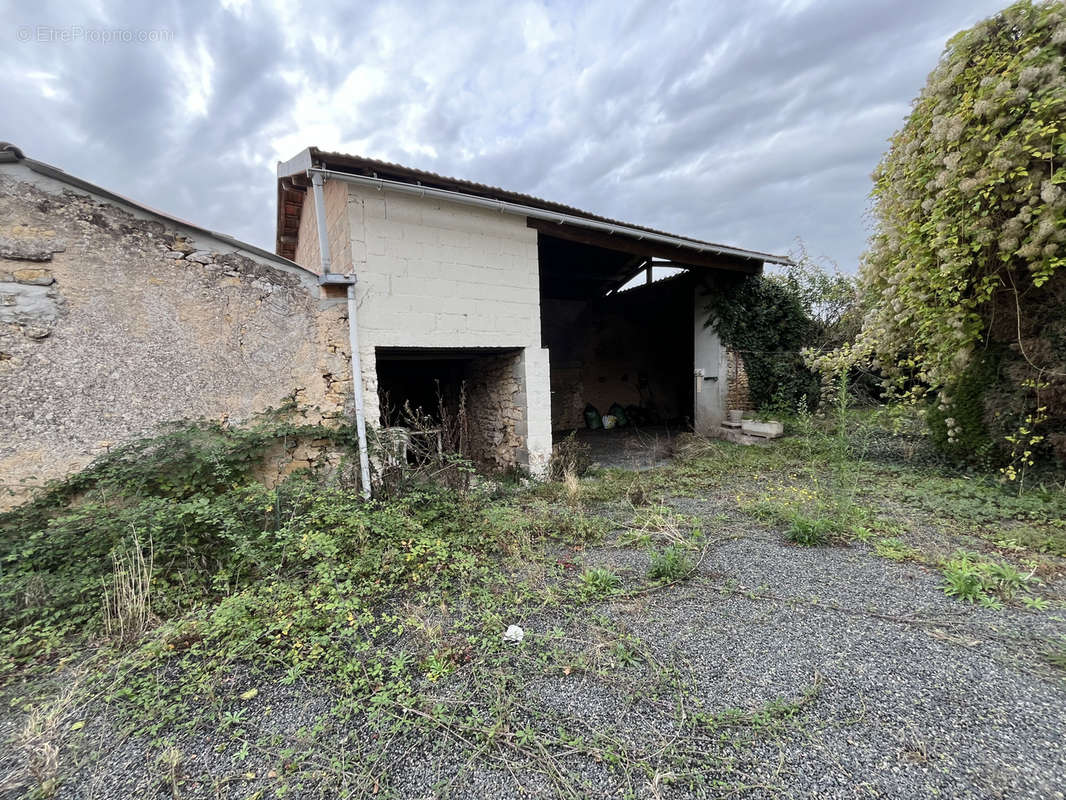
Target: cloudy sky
<point x="748" y="123"/>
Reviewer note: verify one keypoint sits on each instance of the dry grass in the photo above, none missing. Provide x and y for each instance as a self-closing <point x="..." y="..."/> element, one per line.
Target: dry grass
<point x="172" y="763"/>
<point x="37" y="747"/>
<point x="572" y="484"/>
<point x="645" y="451"/>
<point x="127" y="601"/>
<point x="637" y="494"/>
<point x="659" y="524"/>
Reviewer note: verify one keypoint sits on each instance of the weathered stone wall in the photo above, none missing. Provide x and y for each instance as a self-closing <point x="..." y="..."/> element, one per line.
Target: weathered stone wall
<point x="496" y="409"/>
<point x="568" y="397"/>
<point x="337" y="229"/>
<point x="736" y="382"/>
<point x="114" y="320"/>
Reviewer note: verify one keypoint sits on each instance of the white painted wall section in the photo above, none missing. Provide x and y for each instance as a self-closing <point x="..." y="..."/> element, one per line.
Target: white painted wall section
<point x="710" y="357"/>
<point x="440" y="274"/>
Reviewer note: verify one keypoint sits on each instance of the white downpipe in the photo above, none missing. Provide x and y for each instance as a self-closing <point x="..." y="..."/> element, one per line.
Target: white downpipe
<point x="353" y="336"/>
<point x="532" y="212"/>
<point x="357" y="390"/>
<point x="320" y="216"/>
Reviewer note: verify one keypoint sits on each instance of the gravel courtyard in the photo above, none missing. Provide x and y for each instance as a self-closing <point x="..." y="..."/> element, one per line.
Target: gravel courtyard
<point x="765" y="670"/>
<point x="892" y="690"/>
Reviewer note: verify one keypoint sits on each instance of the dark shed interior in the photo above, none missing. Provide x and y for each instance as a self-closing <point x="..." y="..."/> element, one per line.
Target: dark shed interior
<point x="632" y="348"/>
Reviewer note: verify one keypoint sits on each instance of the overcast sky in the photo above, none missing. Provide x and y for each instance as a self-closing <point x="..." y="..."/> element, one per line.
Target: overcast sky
<point x="746" y="123"/>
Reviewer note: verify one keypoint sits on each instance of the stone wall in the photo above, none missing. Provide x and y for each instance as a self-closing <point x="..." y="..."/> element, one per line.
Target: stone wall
<point x="114" y="320"/>
<point x="568" y="397"/>
<point x="496" y="410"/>
<point x="337" y="229"/>
<point x="737" y="382"/>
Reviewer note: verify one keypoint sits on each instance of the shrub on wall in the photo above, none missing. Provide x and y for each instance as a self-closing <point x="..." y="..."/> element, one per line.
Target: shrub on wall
<point x="770" y="320"/>
<point x="767" y="326"/>
<point x="959" y="428"/>
<point x="970" y="205"/>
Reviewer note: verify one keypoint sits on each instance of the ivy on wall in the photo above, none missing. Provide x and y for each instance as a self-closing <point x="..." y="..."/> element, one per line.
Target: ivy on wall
<point x="766" y="324"/>
<point x="970" y="237"/>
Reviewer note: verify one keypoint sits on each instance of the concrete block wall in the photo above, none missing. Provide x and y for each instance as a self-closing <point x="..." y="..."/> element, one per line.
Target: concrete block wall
<point x="711" y="357"/>
<point x="438" y="274"/>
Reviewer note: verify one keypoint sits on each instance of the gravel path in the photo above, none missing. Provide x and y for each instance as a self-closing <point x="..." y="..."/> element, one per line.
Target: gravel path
<point x="932" y="703"/>
<point x="911" y="695"/>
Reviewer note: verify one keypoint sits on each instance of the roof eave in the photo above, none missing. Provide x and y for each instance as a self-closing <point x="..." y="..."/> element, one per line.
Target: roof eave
<point x="297" y="169"/>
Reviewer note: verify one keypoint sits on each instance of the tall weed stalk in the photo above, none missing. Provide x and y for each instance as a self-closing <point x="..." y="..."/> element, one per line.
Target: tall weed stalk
<point x="841" y="450"/>
<point x="128" y="599"/>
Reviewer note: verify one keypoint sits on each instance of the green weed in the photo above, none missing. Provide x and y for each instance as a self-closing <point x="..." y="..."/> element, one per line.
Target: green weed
<point x="810" y="532"/>
<point x="895" y="549"/>
<point x="670" y="564"/>
<point x="974" y="579"/>
<point x="599" y="582"/>
<point x="1055" y="653"/>
<point x="1035" y="603"/>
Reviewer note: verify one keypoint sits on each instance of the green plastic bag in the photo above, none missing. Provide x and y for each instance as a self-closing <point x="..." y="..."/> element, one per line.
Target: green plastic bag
<point x="592" y="418"/>
<point x="619" y="414"/>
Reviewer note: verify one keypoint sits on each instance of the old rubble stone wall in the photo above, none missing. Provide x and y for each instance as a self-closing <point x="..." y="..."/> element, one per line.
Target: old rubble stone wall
<point x="737" y="382"/>
<point x="113" y="320"/>
<point x="495" y="407"/>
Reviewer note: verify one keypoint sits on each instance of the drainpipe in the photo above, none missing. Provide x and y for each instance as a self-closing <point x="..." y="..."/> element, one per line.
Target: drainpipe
<point x="328" y="278"/>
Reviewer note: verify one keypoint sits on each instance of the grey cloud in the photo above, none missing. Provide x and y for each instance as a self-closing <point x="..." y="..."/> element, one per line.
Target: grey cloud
<point x="746" y="123"/>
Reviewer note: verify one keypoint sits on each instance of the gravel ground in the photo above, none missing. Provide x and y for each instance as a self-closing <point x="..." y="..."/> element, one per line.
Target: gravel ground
<point x="930" y="703"/>
<point x="914" y="695"/>
<point x="629" y="448"/>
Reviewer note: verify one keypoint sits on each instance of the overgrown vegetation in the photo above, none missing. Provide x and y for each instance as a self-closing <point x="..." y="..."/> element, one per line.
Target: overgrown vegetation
<point x="190" y="495"/>
<point x="186" y="594"/>
<point x="669" y="564"/>
<point x="770" y="320"/>
<point x="963" y="276"/>
<point x="972" y="578"/>
<point x="818" y="504"/>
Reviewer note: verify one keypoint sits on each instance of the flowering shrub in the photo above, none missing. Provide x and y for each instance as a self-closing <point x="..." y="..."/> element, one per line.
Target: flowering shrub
<point x="970" y="238"/>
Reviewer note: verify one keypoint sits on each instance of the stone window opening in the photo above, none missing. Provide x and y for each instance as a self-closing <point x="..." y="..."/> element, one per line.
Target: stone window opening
<point x="469" y="401"/>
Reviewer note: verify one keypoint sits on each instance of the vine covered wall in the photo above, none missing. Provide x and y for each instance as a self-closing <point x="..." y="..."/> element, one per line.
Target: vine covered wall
<point x="963" y="275"/>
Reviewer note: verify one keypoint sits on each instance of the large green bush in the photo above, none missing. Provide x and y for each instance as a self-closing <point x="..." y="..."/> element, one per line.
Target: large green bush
<point x="969" y="204"/>
<point x="766" y="325"/>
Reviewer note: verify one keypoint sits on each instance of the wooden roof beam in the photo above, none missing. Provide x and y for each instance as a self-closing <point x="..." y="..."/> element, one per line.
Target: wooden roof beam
<point x="643" y="247"/>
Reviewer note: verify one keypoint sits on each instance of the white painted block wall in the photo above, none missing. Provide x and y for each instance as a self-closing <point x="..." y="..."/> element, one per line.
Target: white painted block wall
<point x="440" y="274"/>
<point x="710" y="357"/>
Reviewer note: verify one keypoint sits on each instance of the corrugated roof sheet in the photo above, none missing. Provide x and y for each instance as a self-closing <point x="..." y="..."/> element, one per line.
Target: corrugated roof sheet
<point x="371" y="167"/>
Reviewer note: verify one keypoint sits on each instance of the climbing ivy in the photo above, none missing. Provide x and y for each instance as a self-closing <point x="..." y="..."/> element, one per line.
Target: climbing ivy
<point x="766" y="324"/>
<point x="969" y="206"/>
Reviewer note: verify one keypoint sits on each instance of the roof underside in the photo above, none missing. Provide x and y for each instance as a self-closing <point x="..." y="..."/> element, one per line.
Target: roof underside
<point x="693" y="252"/>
